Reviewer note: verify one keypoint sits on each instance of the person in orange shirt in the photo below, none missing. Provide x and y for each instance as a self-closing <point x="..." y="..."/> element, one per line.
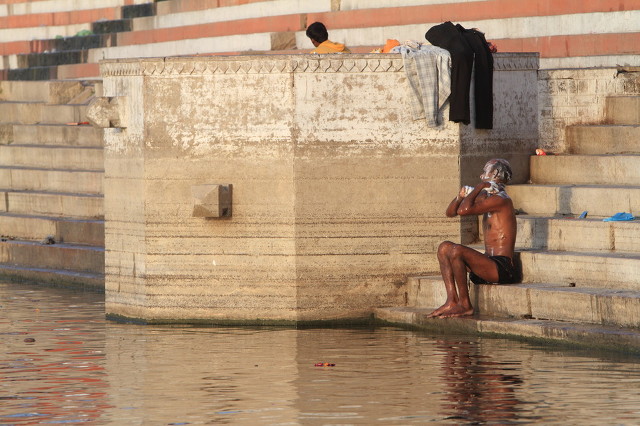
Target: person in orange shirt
<point x="319" y="36"/>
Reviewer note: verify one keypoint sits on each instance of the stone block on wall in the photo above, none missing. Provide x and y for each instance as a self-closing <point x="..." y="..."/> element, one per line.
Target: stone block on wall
<point x="211" y="200"/>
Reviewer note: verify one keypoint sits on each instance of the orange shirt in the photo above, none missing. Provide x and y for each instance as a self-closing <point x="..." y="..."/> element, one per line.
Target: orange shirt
<point x="330" y="47"/>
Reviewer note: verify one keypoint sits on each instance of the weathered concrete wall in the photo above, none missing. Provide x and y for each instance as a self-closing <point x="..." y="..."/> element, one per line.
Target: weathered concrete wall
<point x="578" y="96"/>
<point x="337" y="194"/>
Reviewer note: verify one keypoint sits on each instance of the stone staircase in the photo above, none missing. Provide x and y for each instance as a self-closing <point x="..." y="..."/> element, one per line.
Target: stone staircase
<point x="576" y="272"/>
<point x="51" y="174"/>
<point x="47" y="56"/>
<point x="64" y="39"/>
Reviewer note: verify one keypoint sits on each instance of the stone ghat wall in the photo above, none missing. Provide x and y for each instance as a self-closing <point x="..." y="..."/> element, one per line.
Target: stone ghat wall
<point x="337" y="194"/>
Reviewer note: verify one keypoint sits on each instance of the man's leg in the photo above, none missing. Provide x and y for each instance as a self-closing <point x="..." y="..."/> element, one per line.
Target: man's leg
<point x="455" y="260"/>
<point x="446" y="269"/>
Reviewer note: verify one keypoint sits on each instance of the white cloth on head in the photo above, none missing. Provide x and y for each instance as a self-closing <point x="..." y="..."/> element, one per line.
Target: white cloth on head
<point x="495" y="188"/>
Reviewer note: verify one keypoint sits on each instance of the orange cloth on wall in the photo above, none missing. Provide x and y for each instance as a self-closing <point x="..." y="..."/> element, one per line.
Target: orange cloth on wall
<point x="391" y="43"/>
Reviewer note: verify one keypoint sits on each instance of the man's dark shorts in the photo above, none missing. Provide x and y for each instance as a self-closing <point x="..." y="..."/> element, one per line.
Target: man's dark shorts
<point x="507" y="272"/>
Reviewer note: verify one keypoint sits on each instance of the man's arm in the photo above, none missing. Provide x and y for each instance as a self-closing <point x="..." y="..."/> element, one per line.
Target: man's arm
<point x="477" y="202"/>
<point x="452" y="210"/>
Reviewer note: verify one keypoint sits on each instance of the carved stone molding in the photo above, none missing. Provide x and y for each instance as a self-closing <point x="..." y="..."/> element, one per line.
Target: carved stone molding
<point x="265" y="64"/>
<point x="120" y="67"/>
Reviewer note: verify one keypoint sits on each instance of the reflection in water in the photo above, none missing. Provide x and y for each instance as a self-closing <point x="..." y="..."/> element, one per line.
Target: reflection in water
<point x="80" y="368"/>
<point x="478" y="390"/>
<point x="47" y="371"/>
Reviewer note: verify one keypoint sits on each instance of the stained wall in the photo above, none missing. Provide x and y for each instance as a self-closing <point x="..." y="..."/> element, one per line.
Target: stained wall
<point x="338" y="195"/>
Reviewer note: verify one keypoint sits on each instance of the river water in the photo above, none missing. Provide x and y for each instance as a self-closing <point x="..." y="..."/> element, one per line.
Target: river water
<point x="62" y="362"/>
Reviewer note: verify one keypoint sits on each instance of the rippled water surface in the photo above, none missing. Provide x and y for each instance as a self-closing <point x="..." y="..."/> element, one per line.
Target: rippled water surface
<point x="61" y="362"/>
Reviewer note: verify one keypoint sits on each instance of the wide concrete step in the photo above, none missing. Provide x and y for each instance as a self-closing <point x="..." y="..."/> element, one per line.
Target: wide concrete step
<point x="573" y="234"/>
<point x="50" y="92"/>
<point x="31" y="179"/>
<point x="61" y="277"/>
<point x="623" y="109"/>
<point x="554" y="200"/>
<point x="52" y="157"/>
<point x="38" y="112"/>
<point x="87" y="206"/>
<point x="614" y="338"/>
<point x="62" y="230"/>
<point x="51" y="134"/>
<point x="586" y="169"/>
<point x="537" y="300"/>
<point x="70" y="257"/>
<point x="611" y="270"/>
<point x="603" y="139"/>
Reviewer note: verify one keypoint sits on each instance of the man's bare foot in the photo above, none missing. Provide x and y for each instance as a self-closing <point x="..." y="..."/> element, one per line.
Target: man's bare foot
<point x="438" y="312"/>
<point x="457" y="311"/>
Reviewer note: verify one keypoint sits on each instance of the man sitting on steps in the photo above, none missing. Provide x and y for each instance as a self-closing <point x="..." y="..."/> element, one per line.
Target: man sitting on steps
<point x="499" y="226"/>
<point x="319" y="36"/>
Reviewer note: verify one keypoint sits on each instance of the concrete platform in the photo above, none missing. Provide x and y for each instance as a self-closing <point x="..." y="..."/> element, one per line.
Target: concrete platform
<point x="623" y="109"/>
<point x="50" y="92"/>
<point x="558" y="199"/>
<point x="31" y="179"/>
<point x="568" y="233"/>
<point x="603" y="139"/>
<point x="38" y="112"/>
<point x="597" y="270"/>
<point x="54" y="277"/>
<point x="586" y="169"/>
<point x="64" y="256"/>
<point x="63" y="230"/>
<point x="546" y="301"/>
<point x="556" y="332"/>
<point x="52" y="157"/>
<point x="52" y="204"/>
<point x="52" y="134"/>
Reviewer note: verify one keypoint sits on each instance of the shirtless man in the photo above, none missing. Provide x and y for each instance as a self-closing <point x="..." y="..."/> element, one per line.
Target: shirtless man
<point x="499" y="225"/>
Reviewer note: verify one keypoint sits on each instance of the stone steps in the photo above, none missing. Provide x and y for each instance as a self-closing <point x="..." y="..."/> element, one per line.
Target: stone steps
<point x="51" y="175"/>
<point x="621" y="169"/>
<point x="592" y="336"/>
<point x="16" y="112"/>
<point x="68" y="158"/>
<point x="559" y="199"/>
<point x="63" y="230"/>
<point x="71" y="257"/>
<point x="50" y="92"/>
<point x="36" y="53"/>
<point x="584" y="269"/>
<point x="546" y="301"/>
<point x="623" y="110"/>
<point x="603" y="139"/>
<point x="87" y="206"/>
<point x="52" y="134"/>
<point x="56" y="277"/>
<point x="576" y="273"/>
<point x="581" y="235"/>
<point x="54" y="72"/>
<point x="46" y="180"/>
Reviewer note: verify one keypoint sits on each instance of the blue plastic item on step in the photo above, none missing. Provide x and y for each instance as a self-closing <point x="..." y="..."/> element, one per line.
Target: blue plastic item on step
<point x="583" y="215"/>
<point x="619" y="217"/>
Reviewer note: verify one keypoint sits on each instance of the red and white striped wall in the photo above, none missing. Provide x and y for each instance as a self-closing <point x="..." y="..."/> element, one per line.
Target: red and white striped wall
<point x="567" y="33"/>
